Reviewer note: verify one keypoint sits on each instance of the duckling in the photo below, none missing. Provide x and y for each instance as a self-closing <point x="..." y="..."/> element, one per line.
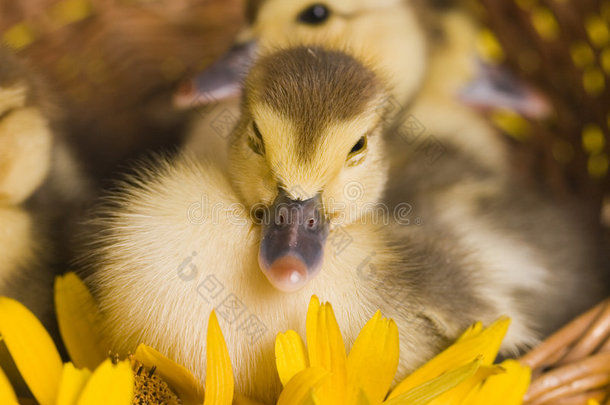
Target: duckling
<point x="25" y="158"/>
<point x="305" y="208"/>
<point x="41" y="188"/>
<point x="389" y="31"/>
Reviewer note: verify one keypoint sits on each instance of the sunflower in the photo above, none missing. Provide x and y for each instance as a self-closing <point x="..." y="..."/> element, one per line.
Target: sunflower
<point x="145" y="377"/>
<point x="322" y="373"/>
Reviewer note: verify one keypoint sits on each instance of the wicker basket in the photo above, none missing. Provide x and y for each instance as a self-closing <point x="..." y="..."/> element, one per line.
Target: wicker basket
<point x="573" y="365"/>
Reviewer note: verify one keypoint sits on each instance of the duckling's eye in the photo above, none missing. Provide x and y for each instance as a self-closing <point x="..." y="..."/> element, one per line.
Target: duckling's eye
<point x="256" y="144"/>
<point x="358" y="147"/>
<point x="314" y="14"/>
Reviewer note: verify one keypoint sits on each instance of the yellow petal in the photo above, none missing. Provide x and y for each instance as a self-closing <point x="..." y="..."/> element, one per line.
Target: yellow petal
<point x="472" y="331"/>
<point x="219" y="384"/>
<point x="7" y="394"/>
<point x="72" y="383"/>
<point x="290" y="355"/>
<point x="503" y="389"/>
<point x="109" y="384"/>
<point x="299" y="389"/>
<point x="177" y="377"/>
<point x="327" y="350"/>
<point x="12" y="373"/>
<point x="32" y="349"/>
<point x="356" y="396"/>
<point x="457" y="395"/>
<point x="424" y="393"/>
<point x="312" y="399"/>
<point x="373" y="360"/>
<point x="78" y="318"/>
<point x="362" y="399"/>
<point x="483" y="345"/>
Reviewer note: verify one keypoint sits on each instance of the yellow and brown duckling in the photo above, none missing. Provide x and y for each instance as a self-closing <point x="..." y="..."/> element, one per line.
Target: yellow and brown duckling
<point x="312" y="204"/>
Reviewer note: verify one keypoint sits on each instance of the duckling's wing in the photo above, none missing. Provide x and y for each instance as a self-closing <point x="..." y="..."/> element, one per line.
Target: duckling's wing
<point x="529" y="256"/>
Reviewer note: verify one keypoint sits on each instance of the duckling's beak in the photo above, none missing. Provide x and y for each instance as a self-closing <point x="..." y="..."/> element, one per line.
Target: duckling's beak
<point x="220" y="81"/>
<point x="495" y="88"/>
<point x="292" y="248"/>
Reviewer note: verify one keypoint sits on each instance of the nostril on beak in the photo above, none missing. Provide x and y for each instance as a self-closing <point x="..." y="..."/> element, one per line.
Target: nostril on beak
<point x="282" y="215"/>
<point x="311" y="223"/>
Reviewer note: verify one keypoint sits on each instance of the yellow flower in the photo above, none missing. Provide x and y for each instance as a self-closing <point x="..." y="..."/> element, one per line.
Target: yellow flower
<point x="504" y="384"/>
<point x="51" y="382"/>
<point x="321" y="373"/>
<point x="40" y="365"/>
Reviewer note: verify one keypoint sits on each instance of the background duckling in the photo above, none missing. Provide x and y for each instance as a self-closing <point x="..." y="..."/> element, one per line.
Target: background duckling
<point x="25" y="151"/>
<point x="113" y="65"/>
<point x="41" y="189"/>
<point x="308" y="167"/>
<point x="424" y="50"/>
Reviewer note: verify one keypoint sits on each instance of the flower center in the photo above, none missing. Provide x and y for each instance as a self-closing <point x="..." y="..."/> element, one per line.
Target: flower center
<point x="150" y="388"/>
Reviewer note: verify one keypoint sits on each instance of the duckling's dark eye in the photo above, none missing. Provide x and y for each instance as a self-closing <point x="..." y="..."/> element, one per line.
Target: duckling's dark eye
<point x="314" y="14"/>
<point x="256" y="144"/>
<point x="359" y="146"/>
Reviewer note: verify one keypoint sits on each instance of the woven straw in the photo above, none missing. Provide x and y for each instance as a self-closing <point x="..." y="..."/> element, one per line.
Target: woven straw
<point x="573" y="365"/>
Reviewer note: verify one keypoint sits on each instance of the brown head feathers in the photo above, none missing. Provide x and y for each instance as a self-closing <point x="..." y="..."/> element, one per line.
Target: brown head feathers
<point x="312" y="86"/>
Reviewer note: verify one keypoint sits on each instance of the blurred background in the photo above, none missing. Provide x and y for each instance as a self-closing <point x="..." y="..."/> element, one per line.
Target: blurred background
<point x="111" y="67"/>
